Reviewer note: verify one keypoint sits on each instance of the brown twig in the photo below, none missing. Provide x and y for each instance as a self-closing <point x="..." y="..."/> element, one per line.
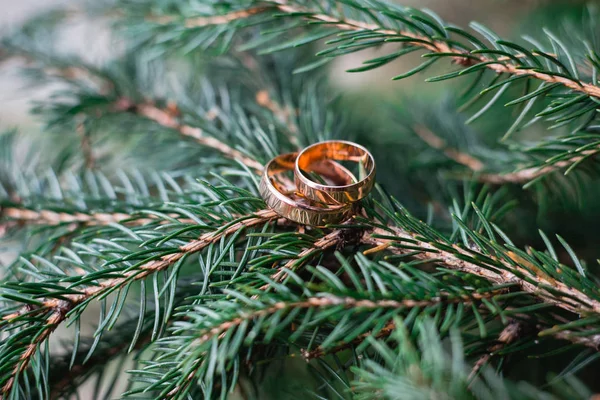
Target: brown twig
<point x="168" y="119"/>
<point x="509" y="334"/>
<point x="529" y="174"/>
<point x="592" y="341"/>
<point x="389" y="328"/>
<point x="283" y="115"/>
<point x="330" y="240"/>
<point x="560" y="295"/>
<point x="440" y="144"/>
<point x="48" y="217"/>
<point x="22" y="215"/>
<point x="197" y="22"/>
<point x="58" y="308"/>
<point x="86" y="146"/>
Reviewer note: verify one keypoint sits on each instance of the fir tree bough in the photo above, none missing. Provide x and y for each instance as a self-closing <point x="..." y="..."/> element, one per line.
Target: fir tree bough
<point x="137" y="205"/>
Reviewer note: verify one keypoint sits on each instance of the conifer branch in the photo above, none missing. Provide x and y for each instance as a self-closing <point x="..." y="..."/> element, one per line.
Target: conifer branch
<point x="387" y="329"/>
<point x="50" y="218"/>
<point x="546" y="288"/>
<point x="167" y="119"/>
<point x="86" y="146"/>
<point x="498" y="65"/>
<point x="326" y="242"/>
<point x="283" y="115"/>
<point x="509" y="334"/>
<point x="529" y="174"/>
<point x="57" y="309"/>
<point x="440" y="144"/>
<point x="26" y="216"/>
<point x="198" y="22"/>
<point x="244" y="316"/>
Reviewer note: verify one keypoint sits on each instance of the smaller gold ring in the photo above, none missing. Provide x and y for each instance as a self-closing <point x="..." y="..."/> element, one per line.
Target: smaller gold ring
<point x="292" y="206"/>
<point x="338" y="150"/>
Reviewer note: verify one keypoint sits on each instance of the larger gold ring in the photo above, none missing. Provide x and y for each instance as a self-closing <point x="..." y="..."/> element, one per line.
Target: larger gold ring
<point x="339" y="150"/>
<point x="287" y="203"/>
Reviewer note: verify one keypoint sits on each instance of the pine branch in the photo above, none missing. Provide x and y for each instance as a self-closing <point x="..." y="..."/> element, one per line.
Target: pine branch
<point x="498" y="65"/>
<point x="24" y="216"/>
<point x="506" y="64"/>
<point x="509" y="334"/>
<point x="57" y="309"/>
<point x="230" y="319"/>
<point x="168" y="120"/>
<point x="543" y="286"/>
<point x="86" y="146"/>
<point x="380" y="23"/>
<point x="531" y="174"/>
<point x="284" y="116"/>
<point x="328" y="241"/>
<point x="440" y="144"/>
<point x="50" y="218"/>
<point x="198" y="22"/>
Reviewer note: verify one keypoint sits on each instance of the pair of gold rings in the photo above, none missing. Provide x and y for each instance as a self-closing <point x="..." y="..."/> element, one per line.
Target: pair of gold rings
<point x="318" y="203"/>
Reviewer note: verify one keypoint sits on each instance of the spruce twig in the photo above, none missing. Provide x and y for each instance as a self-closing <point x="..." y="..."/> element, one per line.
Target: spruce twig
<point x="440" y="144"/>
<point x="167" y="119"/>
<point x="229" y="323"/>
<point x="509" y="334"/>
<point x="500" y="65"/>
<point x="57" y="309"/>
<point x="561" y="295"/>
<point x="529" y="174"/>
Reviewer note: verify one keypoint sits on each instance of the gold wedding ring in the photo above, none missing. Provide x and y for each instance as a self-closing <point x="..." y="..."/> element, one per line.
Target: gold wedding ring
<point x="338" y="150"/>
<point x="292" y="205"/>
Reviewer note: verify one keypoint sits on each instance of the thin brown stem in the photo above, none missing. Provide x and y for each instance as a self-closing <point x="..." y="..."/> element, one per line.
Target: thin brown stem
<point x="509" y="334"/>
<point x="440" y="144"/>
<point x="592" y="341"/>
<point x="26" y="216"/>
<point x="560" y="295"/>
<point x="500" y="65"/>
<point x="58" y="308"/>
<point x="283" y="115"/>
<point x="328" y="241"/>
<point x="86" y="146"/>
<point x="48" y="217"/>
<point x="529" y="174"/>
<point x="197" y="22"/>
<point x="168" y="119"/>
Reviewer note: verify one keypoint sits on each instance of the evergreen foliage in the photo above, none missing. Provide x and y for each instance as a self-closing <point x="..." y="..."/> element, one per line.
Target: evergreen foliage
<point x="141" y="200"/>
